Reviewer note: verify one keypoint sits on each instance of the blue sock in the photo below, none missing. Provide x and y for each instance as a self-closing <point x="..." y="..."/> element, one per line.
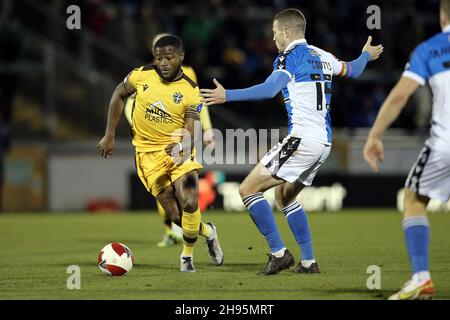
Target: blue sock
<point x="262" y="216"/>
<point x="417" y="236"/>
<point x="298" y="221"/>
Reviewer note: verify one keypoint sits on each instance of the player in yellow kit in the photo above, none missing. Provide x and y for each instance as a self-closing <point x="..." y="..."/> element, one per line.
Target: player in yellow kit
<point x="166" y="107"/>
<point x="173" y="233"/>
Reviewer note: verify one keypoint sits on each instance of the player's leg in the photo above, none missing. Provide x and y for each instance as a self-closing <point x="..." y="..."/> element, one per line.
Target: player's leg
<point x="417" y="237"/>
<point x="292" y="160"/>
<point x="308" y="158"/>
<point x="153" y="173"/>
<point x="168" y="208"/>
<point x="428" y="178"/>
<point x="286" y="197"/>
<point x="251" y="190"/>
<point x="165" y="217"/>
<point x="168" y="203"/>
<point x="186" y="192"/>
<point x="184" y="172"/>
<point x="417" y="233"/>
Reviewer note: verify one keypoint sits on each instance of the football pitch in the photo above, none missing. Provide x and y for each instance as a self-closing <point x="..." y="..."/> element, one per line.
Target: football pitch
<point x="37" y="249"/>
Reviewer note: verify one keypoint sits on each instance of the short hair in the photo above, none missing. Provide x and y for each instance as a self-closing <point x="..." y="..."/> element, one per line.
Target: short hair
<point x="157" y="37"/>
<point x="292" y="18"/>
<point x="169" y="40"/>
<point x="445" y="7"/>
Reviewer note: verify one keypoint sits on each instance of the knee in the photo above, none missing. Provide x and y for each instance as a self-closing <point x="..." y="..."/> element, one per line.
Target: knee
<point x="414" y="204"/>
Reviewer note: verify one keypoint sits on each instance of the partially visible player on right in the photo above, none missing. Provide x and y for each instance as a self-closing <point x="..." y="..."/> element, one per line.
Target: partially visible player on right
<point x="430" y="175"/>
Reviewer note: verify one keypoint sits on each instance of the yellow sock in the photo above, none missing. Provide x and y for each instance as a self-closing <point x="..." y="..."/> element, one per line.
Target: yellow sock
<point x="205" y="230"/>
<point x="191" y="225"/>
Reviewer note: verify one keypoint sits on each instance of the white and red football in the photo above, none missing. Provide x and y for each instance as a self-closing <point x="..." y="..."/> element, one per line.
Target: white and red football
<point x="115" y="259"/>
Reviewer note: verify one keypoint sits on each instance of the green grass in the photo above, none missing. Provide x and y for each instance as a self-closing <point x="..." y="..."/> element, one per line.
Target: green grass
<point x="36" y="250"/>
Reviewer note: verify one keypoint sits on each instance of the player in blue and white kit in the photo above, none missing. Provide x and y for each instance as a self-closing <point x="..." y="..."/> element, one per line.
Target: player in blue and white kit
<point x="304" y="74"/>
<point x="430" y="175"/>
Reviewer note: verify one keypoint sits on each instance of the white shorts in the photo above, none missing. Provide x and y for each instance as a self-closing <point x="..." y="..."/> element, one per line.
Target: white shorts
<point x="430" y="174"/>
<point x="296" y="159"/>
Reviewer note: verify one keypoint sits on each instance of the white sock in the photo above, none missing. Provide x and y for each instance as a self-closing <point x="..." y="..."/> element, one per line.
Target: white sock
<point x="177" y="230"/>
<point x="279" y="253"/>
<point x="308" y="263"/>
<point x="421" y="277"/>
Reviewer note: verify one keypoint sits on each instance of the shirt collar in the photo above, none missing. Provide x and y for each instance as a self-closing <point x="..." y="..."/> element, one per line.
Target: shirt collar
<point x="447" y="28"/>
<point x="293" y="43"/>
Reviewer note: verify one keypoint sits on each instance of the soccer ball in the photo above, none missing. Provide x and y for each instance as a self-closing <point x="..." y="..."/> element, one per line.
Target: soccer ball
<point x="115" y="259"/>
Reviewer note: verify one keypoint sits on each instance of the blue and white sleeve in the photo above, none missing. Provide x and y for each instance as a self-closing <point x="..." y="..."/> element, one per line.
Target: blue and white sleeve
<point x="266" y="90"/>
<point x="417" y="68"/>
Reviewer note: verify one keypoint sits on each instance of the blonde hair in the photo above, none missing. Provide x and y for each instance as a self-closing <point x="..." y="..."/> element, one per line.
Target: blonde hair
<point x="292" y="18"/>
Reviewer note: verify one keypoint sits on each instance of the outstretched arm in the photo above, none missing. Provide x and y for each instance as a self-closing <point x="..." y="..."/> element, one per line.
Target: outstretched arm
<point x="355" y="68"/>
<point x="268" y="89"/>
<point x="390" y="110"/>
<point x="106" y="145"/>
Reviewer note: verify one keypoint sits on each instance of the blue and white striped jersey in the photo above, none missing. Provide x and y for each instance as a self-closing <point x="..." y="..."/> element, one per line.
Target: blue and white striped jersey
<point x="308" y="94"/>
<point x="430" y="61"/>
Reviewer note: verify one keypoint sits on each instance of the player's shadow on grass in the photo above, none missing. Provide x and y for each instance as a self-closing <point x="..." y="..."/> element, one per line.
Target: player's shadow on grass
<point x="377" y="294"/>
<point x="239" y="267"/>
<point x="226" y="267"/>
<point x="154" y="266"/>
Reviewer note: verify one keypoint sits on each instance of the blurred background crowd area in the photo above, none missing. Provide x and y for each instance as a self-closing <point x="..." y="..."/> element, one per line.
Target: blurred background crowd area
<point x="56" y="83"/>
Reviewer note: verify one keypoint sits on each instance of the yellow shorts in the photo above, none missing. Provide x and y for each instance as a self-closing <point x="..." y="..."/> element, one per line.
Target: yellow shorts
<point x="157" y="170"/>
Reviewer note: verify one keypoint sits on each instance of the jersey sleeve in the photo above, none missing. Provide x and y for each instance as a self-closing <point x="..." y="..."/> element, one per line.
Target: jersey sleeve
<point x="285" y="62"/>
<point x="130" y="81"/>
<point x="417" y="68"/>
<point x="340" y="68"/>
<point x="195" y="105"/>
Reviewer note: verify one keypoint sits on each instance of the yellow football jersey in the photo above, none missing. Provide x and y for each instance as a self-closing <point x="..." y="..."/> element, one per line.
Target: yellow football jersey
<point x="204" y="113"/>
<point x="159" y="109"/>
